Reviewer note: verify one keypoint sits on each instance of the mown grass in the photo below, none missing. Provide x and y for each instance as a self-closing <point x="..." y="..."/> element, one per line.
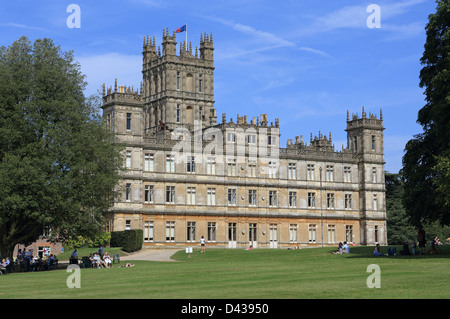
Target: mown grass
<point x="256" y="274"/>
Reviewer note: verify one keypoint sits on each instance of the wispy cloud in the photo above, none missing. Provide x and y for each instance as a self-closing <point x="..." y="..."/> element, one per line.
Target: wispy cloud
<point x="21" y="26"/>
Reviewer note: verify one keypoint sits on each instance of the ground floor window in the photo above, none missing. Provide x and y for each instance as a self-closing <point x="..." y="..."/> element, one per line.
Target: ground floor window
<point x="293" y="233"/>
<point x="190" y="236"/>
<point x="331" y="233"/>
<point x="349" y="233"/>
<point x="148" y="231"/>
<point x="211" y="231"/>
<point x="312" y="233"/>
<point x="170" y="231"/>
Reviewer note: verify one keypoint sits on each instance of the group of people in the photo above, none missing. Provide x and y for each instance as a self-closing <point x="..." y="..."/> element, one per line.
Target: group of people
<point x="97" y="260"/>
<point x="30" y="262"/>
<point x="4" y="265"/>
<point x="343" y="248"/>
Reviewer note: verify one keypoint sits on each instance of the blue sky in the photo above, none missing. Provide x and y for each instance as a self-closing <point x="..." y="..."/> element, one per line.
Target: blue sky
<point x="305" y="62"/>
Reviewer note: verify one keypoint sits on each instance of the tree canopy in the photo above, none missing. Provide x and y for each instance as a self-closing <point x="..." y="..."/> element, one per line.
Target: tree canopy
<point x="426" y="162"/>
<point x="58" y="165"/>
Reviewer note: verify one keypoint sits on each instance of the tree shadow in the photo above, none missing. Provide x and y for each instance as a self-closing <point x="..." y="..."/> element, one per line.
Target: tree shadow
<point x="367" y="252"/>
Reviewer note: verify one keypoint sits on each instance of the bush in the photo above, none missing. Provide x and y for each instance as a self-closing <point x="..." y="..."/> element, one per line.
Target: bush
<point x="129" y="240"/>
<point x="102" y="239"/>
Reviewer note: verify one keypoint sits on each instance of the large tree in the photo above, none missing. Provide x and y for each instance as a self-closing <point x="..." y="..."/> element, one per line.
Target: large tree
<point x="58" y="165"/>
<point x="426" y="162"/>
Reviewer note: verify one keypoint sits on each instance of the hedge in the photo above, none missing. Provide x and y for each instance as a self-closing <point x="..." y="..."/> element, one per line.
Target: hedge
<point x="129" y="240"/>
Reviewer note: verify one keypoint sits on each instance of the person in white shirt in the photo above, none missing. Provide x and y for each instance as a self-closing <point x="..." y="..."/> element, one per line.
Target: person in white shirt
<point x="202" y="243"/>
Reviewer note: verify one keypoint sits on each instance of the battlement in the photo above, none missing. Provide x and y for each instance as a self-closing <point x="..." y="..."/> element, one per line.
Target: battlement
<point x="120" y="94"/>
<point x="256" y="122"/>
<point x="364" y="121"/>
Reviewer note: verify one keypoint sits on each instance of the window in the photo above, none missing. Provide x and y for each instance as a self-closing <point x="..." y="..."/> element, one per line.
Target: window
<point x="170" y="231"/>
<point x="190" y="164"/>
<point x="329" y="173"/>
<point x="355" y="143"/>
<point x="148" y="193"/>
<point x="231" y="137"/>
<point x="311" y="200"/>
<point x="170" y="194"/>
<point x="376" y="233"/>
<point x="231" y="196"/>
<point x="292" y="171"/>
<point x="178" y="113"/>
<point x="331" y="233"/>
<point x="178" y="80"/>
<point x="148" y="162"/>
<point x="211" y="166"/>
<point x="211" y="231"/>
<point x="292" y="199"/>
<point x="127" y="224"/>
<point x="200" y="82"/>
<point x="272" y="140"/>
<point x="148" y="231"/>
<point x="293" y="233"/>
<point x="349" y="233"/>
<point x="272" y="169"/>
<point x="128" y="159"/>
<point x="127" y="191"/>
<point x="231" y="167"/>
<point x="128" y="121"/>
<point x="170" y="163"/>
<point x="373" y="142"/>
<point x="374" y="174"/>
<point x="251" y="139"/>
<point x="330" y="200"/>
<point x="310" y="172"/>
<point x="252" y="168"/>
<point x="190" y="235"/>
<point x="348" y="201"/>
<point x="273" y="198"/>
<point x="312" y="233"/>
<point x="347" y="174"/>
<point x="211" y="196"/>
<point x="252" y="197"/>
<point x="190" y="196"/>
<point x="252" y="232"/>
<point x="375" y="202"/>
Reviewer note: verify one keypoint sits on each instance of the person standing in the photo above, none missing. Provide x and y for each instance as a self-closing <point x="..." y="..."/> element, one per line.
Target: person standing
<point x="202" y="244"/>
<point x="421" y="240"/>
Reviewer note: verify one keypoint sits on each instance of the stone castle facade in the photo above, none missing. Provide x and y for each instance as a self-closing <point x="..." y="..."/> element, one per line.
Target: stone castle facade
<point x="188" y="175"/>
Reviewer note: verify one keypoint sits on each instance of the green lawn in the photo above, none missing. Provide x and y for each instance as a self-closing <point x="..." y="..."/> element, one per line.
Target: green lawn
<point x="255" y="274"/>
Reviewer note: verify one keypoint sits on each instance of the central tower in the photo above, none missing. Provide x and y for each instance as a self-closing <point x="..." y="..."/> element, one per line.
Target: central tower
<point x="178" y="89"/>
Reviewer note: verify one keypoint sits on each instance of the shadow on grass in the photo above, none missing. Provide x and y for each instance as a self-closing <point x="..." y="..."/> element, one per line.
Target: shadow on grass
<point x="367" y="252"/>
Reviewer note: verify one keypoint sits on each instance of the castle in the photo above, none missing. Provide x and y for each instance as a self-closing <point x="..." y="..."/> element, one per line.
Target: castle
<point x="188" y="176"/>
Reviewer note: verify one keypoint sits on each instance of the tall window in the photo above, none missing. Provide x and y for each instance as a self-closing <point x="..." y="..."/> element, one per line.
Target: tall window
<point x="292" y="171"/>
<point x="312" y="233"/>
<point x="330" y="200"/>
<point x="374" y="174"/>
<point x="128" y="121"/>
<point x="200" y="86"/>
<point x="272" y="169"/>
<point x="211" y="196"/>
<point x="170" y="231"/>
<point x="190" y="196"/>
<point x="348" y="201"/>
<point x="310" y="172"/>
<point x="128" y="192"/>
<point x="252" y="232"/>
<point x="231" y="196"/>
<point x="349" y="233"/>
<point x="292" y="199"/>
<point x="231" y="137"/>
<point x="272" y="140"/>
<point x="211" y="231"/>
<point x="148" y="231"/>
<point x="128" y="159"/>
<point x="375" y="202"/>
<point x="178" y="113"/>
<point x="170" y="194"/>
<point x="273" y="198"/>
<point x="373" y="142"/>
<point x="190" y="165"/>
<point x="329" y="174"/>
<point x="331" y="233"/>
<point x="178" y="80"/>
<point x="293" y="233"/>
<point x="190" y="234"/>
<point x="252" y="197"/>
<point x="347" y="174"/>
<point x="355" y="143"/>
<point x="148" y="162"/>
<point x="231" y="167"/>
<point x="148" y="193"/>
<point x="211" y="166"/>
<point x="170" y="163"/>
<point x="252" y="168"/>
<point x="311" y="200"/>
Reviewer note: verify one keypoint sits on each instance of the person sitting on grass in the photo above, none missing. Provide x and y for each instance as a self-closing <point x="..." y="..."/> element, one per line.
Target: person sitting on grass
<point x="376" y="251"/>
<point x="98" y="261"/>
<point x="346" y="248"/>
<point x="107" y="260"/>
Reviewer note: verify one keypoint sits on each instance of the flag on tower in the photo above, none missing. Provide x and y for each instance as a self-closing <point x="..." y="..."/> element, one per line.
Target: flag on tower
<point x="181" y="29"/>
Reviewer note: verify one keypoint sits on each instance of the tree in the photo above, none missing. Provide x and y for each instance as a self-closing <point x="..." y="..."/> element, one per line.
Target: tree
<point x="426" y="169"/>
<point x="58" y="163"/>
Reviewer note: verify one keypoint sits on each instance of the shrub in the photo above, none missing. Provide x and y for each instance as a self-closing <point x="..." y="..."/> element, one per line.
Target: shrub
<point x="129" y="240"/>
